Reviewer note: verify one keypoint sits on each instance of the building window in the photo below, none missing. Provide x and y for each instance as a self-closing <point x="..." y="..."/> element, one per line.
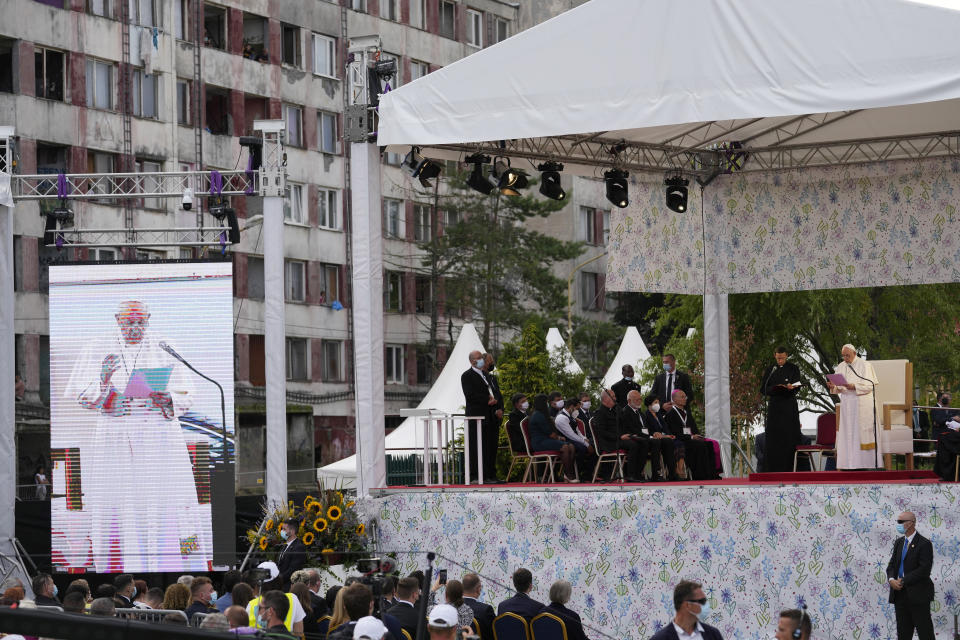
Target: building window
<point x="331" y="283"/>
<point x="291" y="46"/>
<point x="99" y="8"/>
<point x="392" y="158"/>
<point x="474" y="28"/>
<point x="394" y="364"/>
<point x="103" y="254"/>
<point x="150" y="182"/>
<point x="217" y="110"/>
<point x="390" y="10"/>
<point x="589" y="298"/>
<point x="393" y="291"/>
<point x="181" y="9"/>
<point x="214" y="27"/>
<point x="297" y="359"/>
<point x="424" y="366"/>
<point x="606" y="227"/>
<point x="48" y="71"/>
<point x="147" y="254"/>
<point x="145" y="94"/>
<point x="447" y="19"/>
<point x="418" y="14"/>
<point x="332" y="360"/>
<point x="358" y="5"/>
<point x="587" y="229"/>
<point x="293" y="205"/>
<point x="327" y="205"/>
<point x="254" y="278"/>
<point x="451" y="218"/>
<point x="418" y="69"/>
<point x="144" y="13"/>
<point x="99" y="162"/>
<point x="327" y="140"/>
<point x="423" y="289"/>
<point x="255" y="30"/>
<point x="324" y="55"/>
<point x="422" y="223"/>
<point x="183" y="102"/>
<point x="99" y="84"/>
<point x="6" y="65"/>
<point x="501" y="30"/>
<point x="294" y="281"/>
<point x="393" y="223"/>
<point x="293" y="115"/>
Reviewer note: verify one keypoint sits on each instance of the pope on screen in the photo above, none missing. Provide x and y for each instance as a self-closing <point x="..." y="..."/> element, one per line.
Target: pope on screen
<point x="136" y="474"/>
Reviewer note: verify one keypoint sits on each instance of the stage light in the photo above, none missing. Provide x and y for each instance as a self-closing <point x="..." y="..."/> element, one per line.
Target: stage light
<point x="56" y="219"/>
<point x="616" y="180"/>
<point x="509" y="180"/>
<point x="676" y="193"/>
<point x="422" y="168"/>
<point x="477" y="180"/>
<point x="255" y="147"/>
<point x="550" y="180"/>
<point x="226" y="216"/>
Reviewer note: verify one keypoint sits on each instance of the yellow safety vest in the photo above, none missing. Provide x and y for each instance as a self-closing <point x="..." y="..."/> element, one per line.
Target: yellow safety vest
<point x="254" y="605"/>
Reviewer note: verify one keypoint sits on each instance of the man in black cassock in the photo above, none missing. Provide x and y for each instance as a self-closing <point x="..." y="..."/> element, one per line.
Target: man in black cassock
<point x="781" y="383"/>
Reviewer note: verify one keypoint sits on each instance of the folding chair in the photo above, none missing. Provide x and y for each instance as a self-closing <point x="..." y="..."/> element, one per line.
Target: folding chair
<point x="549" y="458"/>
<point x="612" y="456"/>
<point x="546" y="626"/>
<point x="516" y="457"/>
<point x="826" y="441"/>
<point x="510" y="626"/>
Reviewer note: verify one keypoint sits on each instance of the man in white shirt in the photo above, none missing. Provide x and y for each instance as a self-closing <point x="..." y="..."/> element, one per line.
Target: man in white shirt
<point x="692" y="608"/>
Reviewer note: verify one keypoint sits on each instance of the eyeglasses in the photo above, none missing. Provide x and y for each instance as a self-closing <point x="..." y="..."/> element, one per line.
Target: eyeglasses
<point x="904" y="521"/>
<point x="701" y="601"/>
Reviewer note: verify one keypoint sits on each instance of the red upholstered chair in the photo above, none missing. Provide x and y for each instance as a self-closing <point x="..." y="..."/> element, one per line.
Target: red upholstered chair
<point x="616" y="457"/>
<point x="548" y="458"/>
<point x="826" y="444"/>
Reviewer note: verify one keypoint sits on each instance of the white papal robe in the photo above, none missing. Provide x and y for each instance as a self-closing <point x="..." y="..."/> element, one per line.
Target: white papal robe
<point x="136" y="475"/>
<point x="856" y="445"/>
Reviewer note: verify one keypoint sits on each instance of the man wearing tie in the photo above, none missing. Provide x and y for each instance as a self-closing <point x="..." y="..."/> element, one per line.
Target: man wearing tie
<point x="670" y="380"/>
<point x="908" y="573"/>
<point x="480" y="402"/>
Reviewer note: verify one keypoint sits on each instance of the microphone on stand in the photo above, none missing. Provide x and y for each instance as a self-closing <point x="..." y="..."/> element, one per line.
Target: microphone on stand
<point x="876" y="437"/>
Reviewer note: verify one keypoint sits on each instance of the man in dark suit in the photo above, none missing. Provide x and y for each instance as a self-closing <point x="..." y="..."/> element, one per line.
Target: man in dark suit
<point x="294" y="555"/>
<point x="521" y="604"/>
<point x="698" y="452"/>
<point x="622" y="387"/>
<point x="911" y="589"/>
<point x="586" y="409"/>
<point x="633" y="438"/>
<point x="606" y="428"/>
<point x="406" y="610"/>
<point x="670" y="380"/>
<point x="45" y="591"/>
<point x="691" y="604"/>
<point x="942" y="414"/>
<point x="661" y="441"/>
<point x="126" y="591"/>
<point x="480" y="401"/>
<point x="482" y="612"/>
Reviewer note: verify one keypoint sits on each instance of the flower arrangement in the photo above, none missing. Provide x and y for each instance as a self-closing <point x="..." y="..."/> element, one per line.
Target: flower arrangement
<point x="330" y="528"/>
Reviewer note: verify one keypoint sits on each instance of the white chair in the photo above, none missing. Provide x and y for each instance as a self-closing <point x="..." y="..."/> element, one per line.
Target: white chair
<point x="894" y="400"/>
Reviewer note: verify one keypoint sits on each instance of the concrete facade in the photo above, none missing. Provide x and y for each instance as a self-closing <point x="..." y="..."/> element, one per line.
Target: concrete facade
<point x="67" y="117"/>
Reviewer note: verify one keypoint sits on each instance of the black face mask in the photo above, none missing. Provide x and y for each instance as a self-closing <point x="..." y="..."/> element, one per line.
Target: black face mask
<point x="492" y="366"/>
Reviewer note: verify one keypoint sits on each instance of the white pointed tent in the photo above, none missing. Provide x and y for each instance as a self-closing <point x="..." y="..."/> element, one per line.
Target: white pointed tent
<point x="556" y="347"/>
<point x="445" y="395"/>
<point x="633" y="351"/>
<point x="802" y="84"/>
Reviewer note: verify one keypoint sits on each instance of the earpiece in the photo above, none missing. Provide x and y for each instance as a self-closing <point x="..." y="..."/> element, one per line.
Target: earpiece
<point x="798" y="632"/>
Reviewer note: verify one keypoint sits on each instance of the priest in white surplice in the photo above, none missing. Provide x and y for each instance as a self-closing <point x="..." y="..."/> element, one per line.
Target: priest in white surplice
<point x="856" y="440"/>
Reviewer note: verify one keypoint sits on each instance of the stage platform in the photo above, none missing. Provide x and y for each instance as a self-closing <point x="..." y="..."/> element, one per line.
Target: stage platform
<point x="757" y="544"/>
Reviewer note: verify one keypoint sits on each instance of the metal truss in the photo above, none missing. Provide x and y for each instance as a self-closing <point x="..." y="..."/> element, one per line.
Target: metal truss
<point x="115" y="186"/>
<point x="179" y="237"/>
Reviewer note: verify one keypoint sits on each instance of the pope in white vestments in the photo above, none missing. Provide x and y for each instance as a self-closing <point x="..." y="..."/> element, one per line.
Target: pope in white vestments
<point x="136" y="474"/>
<point x="856" y="440"/>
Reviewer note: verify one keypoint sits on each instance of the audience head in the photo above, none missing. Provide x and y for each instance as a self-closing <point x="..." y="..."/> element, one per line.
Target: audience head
<point x="679" y="398"/>
<point x="584" y="398"/>
<point x="303" y="595"/>
<point x="74" y="602"/>
<point x="689" y="599"/>
<point x="522" y="580"/>
<point x="389" y="587"/>
<point x="790" y="621"/>
<point x="357" y="600"/>
<point x="541" y="404"/>
<point x="945" y="399"/>
<point x="408" y="589"/>
<point x="106" y="591"/>
<point x="560" y="592"/>
<point x="124" y="585"/>
<point x="442" y="622"/>
<point x="231" y="579"/>
<point x="669" y="363"/>
<point x="288" y="530"/>
<point x="454" y="593"/>
<point x="201" y="590"/>
<point x="418" y="574"/>
<point x="42" y="585"/>
<point x="517" y="400"/>
<point x="154" y="598"/>
<point x="215" y="622"/>
<point x="237" y="616"/>
<point x="15" y="594"/>
<point x="571" y="404"/>
<point x="241" y="594"/>
<point x="331" y="596"/>
<point x="780" y="355"/>
<point x="273" y="608"/>
<point x="83" y="586"/>
<point x="185" y="580"/>
<point x="471" y="585"/>
<point x="103" y="607"/>
<point x="176" y="597"/>
<point x="476" y="359"/>
<point x="141" y="593"/>
<point x="172" y="618"/>
<point x="627" y="371"/>
<point x="369" y="628"/>
<point x="608" y="398"/>
<point x="652" y="402"/>
<point x="635" y="399"/>
<point x="555" y="398"/>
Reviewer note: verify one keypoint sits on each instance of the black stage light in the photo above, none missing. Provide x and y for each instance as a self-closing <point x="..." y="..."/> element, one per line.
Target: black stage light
<point x="616" y="180"/>
<point x="226" y="216"/>
<point x="59" y="217"/>
<point x="477" y="180"/>
<point x="550" y="180"/>
<point x="676" y="193"/>
<point x="509" y="180"/>
<point x="419" y="167"/>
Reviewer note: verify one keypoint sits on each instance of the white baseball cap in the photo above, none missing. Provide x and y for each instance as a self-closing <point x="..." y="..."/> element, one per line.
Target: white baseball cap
<point x="443" y="616"/>
<point x="370" y="628"/>
<point x="271" y="567"/>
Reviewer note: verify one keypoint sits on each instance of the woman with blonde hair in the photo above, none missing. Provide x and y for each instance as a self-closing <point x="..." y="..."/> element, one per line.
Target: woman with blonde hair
<point x="176" y="598"/>
<point x="339" y="615"/>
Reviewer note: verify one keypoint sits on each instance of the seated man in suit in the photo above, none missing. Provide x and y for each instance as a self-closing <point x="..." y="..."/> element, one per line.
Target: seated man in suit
<point x="606" y="427"/>
<point x="406" y="610"/>
<point x="698" y="452"/>
<point x="633" y="438"/>
<point x="692" y="608"/>
<point x="661" y="441"/>
<point x="521" y="604"/>
<point x="482" y="612"/>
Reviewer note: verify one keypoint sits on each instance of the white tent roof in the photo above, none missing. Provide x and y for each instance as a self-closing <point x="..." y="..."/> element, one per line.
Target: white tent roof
<point x="555" y="343"/>
<point x="445" y="395"/>
<point x="632" y="351"/>
<point x="643" y="70"/>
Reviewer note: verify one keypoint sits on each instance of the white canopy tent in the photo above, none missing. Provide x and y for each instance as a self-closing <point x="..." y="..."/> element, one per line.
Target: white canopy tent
<point x="632" y="351"/>
<point x="557" y="348"/>
<point x="445" y="395"/>
<point x="654" y="85"/>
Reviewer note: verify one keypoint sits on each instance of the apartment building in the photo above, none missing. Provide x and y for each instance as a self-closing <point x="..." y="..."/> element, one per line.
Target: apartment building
<point x="61" y="64"/>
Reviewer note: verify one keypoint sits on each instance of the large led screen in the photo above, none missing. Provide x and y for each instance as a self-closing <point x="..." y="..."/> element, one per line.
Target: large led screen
<point x="142" y="448"/>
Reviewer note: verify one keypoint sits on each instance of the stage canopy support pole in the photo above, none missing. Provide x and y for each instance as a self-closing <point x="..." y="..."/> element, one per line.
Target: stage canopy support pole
<point x="716" y="373"/>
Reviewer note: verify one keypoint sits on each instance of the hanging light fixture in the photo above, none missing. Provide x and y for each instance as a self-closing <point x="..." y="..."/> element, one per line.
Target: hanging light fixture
<point x="422" y="168"/>
<point x="478" y="181"/>
<point x="550" y="180"/>
<point x="676" y="193"/>
<point x="616" y="181"/>
<point x="509" y="180"/>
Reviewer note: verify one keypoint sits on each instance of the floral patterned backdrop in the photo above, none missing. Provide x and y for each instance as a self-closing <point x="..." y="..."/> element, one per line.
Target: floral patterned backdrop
<point x="757" y="550"/>
<point x="881" y="224"/>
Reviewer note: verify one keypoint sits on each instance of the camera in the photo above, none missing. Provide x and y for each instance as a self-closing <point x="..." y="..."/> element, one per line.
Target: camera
<point x="259" y="575"/>
<point x="187" y="199"/>
<point x="375" y="571"/>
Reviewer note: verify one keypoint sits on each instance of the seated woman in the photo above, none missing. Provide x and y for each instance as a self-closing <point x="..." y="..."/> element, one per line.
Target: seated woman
<point x="453" y="593"/>
<point x="545" y="437"/>
<point x="519" y="406"/>
<point x="560" y="592"/>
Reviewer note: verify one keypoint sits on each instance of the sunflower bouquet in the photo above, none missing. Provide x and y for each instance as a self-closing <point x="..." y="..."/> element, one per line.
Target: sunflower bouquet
<point x="330" y="528"/>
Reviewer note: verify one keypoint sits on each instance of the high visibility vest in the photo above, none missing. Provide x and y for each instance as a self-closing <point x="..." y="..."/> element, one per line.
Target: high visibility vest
<point x="254" y="606"/>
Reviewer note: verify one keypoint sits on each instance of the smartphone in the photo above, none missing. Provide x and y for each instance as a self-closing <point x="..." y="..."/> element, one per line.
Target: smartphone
<point x="442" y="576"/>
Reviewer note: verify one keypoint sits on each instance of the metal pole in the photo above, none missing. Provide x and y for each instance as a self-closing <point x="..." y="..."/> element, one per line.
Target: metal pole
<point x="716" y="372"/>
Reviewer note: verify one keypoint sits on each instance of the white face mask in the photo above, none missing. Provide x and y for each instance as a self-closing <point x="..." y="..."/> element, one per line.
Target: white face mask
<point x="558" y="404"/>
<point x="586" y="404"/>
<point x="655" y="407"/>
<point x="524" y="406"/>
<point x="479" y="363"/>
<point x="628" y="378"/>
<point x="574" y="414"/>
